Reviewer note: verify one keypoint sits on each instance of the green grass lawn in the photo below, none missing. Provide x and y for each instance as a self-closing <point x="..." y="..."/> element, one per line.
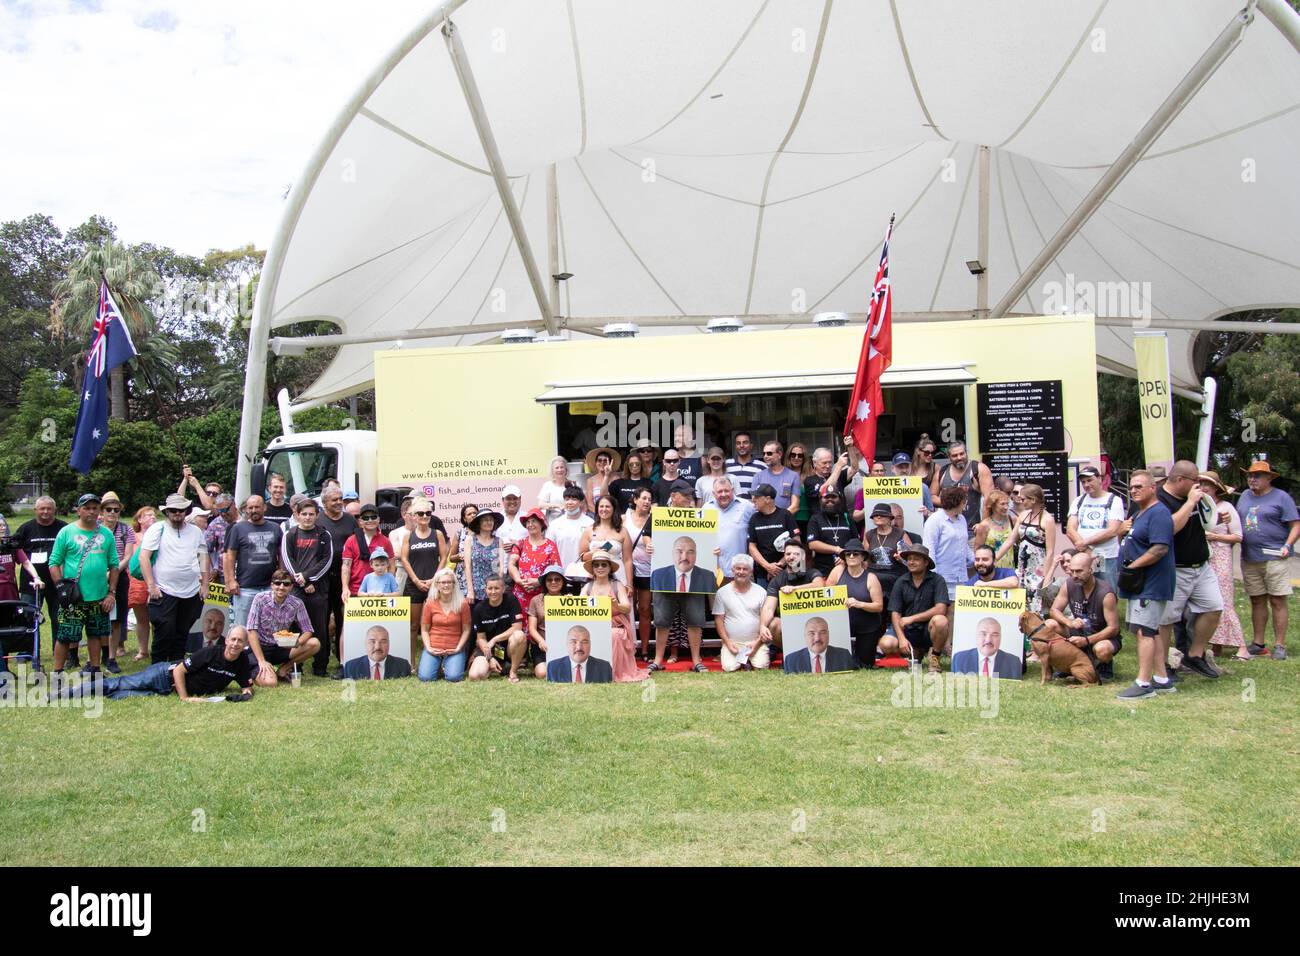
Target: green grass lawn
<point x="727" y="769"/>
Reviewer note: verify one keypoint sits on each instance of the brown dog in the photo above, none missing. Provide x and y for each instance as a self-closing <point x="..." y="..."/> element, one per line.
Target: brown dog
<point x="1057" y="653"/>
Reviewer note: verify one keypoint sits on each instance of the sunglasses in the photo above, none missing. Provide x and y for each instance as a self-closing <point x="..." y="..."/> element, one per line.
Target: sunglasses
<point x="370" y="517"/>
<point x="715" y="458"/>
<point x="281" y="584"/>
<point x="112" y="511"/>
<point x="671" y="461"/>
<point x="422" y="514"/>
<point x="797" y="454"/>
<point x="767" y="453"/>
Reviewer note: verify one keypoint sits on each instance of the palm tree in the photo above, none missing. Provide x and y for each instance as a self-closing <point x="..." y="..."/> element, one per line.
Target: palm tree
<point x="132" y="281"/>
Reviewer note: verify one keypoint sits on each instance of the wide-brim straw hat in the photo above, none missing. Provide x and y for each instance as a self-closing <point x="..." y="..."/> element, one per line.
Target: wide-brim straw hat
<point x="615" y="459"/>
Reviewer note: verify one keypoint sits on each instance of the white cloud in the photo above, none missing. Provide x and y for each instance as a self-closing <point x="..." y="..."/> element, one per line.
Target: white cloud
<point x="182" y="123"/>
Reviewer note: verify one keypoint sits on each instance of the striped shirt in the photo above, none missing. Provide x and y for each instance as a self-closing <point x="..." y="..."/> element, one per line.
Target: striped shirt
<point x="743" y="475"/>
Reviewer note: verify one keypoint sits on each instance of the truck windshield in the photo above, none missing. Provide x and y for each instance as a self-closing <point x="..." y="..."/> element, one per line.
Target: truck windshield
<point x="304" y="469"/>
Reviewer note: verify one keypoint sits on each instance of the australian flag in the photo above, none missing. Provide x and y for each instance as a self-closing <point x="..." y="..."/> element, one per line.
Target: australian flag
<point x="111" y="347"/>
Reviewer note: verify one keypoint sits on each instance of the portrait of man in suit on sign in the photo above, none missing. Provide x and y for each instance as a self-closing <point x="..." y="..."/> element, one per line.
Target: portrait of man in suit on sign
<point x="819" y="657"/>
<point x="376" y="664"/>
<point x="579" y="667"/>
<point x="987" y="658"/>
<point x="683" y="575"/>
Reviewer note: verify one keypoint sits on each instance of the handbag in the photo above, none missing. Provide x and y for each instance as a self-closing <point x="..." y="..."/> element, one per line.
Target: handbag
<point x="1131" y="580"/>
<point x="70" y="590"/>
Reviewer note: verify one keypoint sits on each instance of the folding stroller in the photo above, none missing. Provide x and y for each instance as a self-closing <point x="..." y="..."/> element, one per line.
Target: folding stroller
<point x="20" y="634"/>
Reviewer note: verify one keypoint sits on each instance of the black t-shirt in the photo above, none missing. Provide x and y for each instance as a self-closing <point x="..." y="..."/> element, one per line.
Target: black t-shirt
<point x="340" y="530"/>
<point x="36" y="539"/>
<point x="786" y="579"/>
<point x="625" y="491"/>
<point x="690" y="469"/>
<point x="207" y="671"/>
<point x="256" y="548"/>
<point x="1190" y="546"/>
<point x="491" y="621"/>
<point x="765" y="529"/>
<point x="812" y="488"/>
<point x="663" y="488"/>
<point x="279" y="514"/>
<point x="833" y="529"/>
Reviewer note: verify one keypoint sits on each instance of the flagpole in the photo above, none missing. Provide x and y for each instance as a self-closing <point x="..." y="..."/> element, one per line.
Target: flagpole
<point x="148" y="380"/>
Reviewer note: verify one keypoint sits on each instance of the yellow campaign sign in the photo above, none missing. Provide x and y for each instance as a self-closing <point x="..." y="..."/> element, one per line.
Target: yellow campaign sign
<point x="586" y="408"/>
<point x="217" y="595"/>
<point x="361" y="607"/>
<point x="684" y="519"/>
<point x="808" y="599"/>
<point x="1152" y="352"/>
<point x="565" y="606"/>
<point x="990" y="599"/>
<point x="901" y="486"/>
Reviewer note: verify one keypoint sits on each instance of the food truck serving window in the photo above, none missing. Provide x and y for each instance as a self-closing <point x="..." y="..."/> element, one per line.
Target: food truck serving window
<point x="796" y="407"/>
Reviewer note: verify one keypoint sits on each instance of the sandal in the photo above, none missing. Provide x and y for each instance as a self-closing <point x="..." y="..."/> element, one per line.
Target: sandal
<point x="701" y="668"/>
<point x="654" y="666"/>
<point x="513" y="678"/>
<point x="673" y="659"/>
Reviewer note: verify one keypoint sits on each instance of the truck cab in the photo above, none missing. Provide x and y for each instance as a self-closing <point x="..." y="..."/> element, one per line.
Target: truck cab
<point x="306" y="459"/>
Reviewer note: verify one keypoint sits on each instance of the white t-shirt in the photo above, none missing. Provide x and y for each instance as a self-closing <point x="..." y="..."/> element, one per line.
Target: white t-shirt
<point x="740" y="612"/>
<point x="175" y="558"/>
<point x="512" y="531"/>
<point x="1094" y="515"/>
<point x="566" y="532"/>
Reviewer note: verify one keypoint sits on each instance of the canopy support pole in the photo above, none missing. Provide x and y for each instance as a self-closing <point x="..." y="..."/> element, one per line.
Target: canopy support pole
<point x="469" y="88"/>
<point x="1207" y="424"/>
<point x="553" y="235"/>
<point x="259" y="327"/>
<point x="1182" y="94"/>
<point x="982" y="280"/>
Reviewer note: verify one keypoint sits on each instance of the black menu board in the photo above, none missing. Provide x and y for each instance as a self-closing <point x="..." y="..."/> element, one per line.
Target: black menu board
<point x="1048" y="469"/>
<point x="1020" y="416"/>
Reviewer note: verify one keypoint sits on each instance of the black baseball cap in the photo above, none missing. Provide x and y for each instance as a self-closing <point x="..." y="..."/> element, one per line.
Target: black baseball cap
<point x="763" y="490"/>
<point x="682" y="485"/>
<point x="1089" y="472"/>
<point x="87" y="498"/>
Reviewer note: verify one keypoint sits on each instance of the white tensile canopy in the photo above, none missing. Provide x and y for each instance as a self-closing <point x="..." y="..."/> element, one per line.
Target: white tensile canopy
<point x="684" y="160"/>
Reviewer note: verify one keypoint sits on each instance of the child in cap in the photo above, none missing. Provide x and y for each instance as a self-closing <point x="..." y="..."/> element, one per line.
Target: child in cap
<point x="380" y="580"/>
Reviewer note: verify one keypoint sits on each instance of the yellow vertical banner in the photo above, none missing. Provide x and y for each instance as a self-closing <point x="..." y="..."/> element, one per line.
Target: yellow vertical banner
<point x="1152" y="352"/>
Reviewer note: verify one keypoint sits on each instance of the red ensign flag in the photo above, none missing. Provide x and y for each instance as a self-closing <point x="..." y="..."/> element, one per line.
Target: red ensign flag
<point x="877" y="355"/>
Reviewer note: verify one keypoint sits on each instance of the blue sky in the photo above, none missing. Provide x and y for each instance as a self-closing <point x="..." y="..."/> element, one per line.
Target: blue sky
<point x="184" y="123"/>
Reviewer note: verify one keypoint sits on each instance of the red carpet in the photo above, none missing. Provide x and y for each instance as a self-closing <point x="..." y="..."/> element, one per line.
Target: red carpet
<point x="714" y="664"/>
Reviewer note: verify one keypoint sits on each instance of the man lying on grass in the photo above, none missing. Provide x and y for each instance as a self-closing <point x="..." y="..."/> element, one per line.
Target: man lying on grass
<point x="203" y="673"/>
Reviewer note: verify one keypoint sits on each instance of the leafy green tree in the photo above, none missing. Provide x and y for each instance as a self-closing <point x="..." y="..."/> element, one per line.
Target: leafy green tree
<point x="1264" y="404"/>
<point x="132" y="280"/>
<point x="1121" y="422"/>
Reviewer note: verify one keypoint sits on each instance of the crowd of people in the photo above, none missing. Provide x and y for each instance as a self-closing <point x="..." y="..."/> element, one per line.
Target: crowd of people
<point x="788" y="519"/>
